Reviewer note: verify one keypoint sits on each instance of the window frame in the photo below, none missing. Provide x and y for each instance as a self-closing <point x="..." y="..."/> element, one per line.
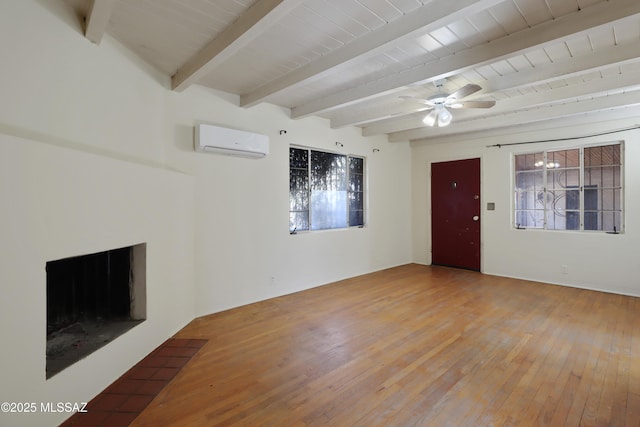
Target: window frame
<point x="582" y="188"/>
<point x="347" y="190"/>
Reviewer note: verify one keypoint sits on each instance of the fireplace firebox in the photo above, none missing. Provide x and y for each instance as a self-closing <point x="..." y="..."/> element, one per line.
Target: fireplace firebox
<point x="91" y="300"/>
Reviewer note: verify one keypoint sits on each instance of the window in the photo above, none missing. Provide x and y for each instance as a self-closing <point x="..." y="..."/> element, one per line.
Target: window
<point x="571" y="189"/>
<point x="326" y="190"/>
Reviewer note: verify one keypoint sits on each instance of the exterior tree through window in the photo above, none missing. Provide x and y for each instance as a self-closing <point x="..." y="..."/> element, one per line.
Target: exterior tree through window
<point x="326" y="190"/>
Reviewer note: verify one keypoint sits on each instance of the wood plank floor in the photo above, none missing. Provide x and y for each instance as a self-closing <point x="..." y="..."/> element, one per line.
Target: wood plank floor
<point x="413" y="346"/>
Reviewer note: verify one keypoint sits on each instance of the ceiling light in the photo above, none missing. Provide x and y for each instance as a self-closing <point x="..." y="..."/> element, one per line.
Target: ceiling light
<point x="430" y="119"/>
<point x="439" y="104"/>
<point x="444" y="117"/>
<point x="550" y="165"/>
<point x="439" y="115"/>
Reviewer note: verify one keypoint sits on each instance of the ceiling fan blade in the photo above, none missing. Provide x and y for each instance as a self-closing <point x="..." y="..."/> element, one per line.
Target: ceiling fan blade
<point x="473" y="104"/>
<point x="464" y="91"/>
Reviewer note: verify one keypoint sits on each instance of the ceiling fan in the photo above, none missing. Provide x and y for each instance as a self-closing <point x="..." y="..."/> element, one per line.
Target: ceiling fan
<point x="440" y="103"/>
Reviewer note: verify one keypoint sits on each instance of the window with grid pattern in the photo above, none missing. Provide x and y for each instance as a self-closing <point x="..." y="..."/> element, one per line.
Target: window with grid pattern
<point x="570" y="189"/>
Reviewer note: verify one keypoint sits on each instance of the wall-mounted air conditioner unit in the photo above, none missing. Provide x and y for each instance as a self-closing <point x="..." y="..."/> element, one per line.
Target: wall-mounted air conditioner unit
<point x="232" y="142"/>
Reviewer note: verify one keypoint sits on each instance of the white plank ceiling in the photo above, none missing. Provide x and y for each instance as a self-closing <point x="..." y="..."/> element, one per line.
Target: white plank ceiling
<point x="350" y="60"/>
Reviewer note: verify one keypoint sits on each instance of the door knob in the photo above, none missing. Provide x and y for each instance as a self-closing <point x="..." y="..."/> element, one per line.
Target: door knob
<point x="476" y="217"/>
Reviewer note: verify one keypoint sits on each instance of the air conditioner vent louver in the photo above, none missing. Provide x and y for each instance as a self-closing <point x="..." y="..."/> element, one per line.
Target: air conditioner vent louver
<point x="231" y="142"/>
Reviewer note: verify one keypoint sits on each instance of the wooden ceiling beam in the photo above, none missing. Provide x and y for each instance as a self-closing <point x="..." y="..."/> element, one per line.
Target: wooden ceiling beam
<point x="430" y="17"/>
<point x="543" y="113"/>
<point x="531" y="38"/>
<point x="595" y="88"/>
<point x="254" y="22"/>
<point x="98" y="19"/>
<point x="559" y="125"/>
<point x="613" y="56"/>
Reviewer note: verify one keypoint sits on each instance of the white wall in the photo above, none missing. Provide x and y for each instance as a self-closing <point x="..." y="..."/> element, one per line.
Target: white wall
<point x="59" y="203"/>
<point x="82" y="142"/>
<point x="97" y="152"/>
<point x="594" y="260"/>
<point x="58" y="87"/>
<point x="244" y="251"/>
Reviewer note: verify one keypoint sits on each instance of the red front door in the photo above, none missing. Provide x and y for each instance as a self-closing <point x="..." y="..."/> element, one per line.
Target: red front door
<point x="455" y="213"/>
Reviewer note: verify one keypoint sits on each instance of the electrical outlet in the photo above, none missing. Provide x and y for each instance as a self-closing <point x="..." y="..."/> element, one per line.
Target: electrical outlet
<point x="564" y="269"/>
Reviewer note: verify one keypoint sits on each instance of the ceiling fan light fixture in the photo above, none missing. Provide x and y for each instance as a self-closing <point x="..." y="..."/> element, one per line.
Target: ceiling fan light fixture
<point x="438" y="105"/>
<point x="444" y="117"/>
<point x="430" y="119"/>
<point x="438" y="116"/>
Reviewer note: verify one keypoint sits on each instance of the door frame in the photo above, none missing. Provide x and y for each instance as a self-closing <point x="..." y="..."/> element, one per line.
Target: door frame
<point x="430" y="208"/>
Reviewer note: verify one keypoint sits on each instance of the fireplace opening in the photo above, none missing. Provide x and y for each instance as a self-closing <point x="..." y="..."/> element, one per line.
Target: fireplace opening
<point x="91" y="300"/>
